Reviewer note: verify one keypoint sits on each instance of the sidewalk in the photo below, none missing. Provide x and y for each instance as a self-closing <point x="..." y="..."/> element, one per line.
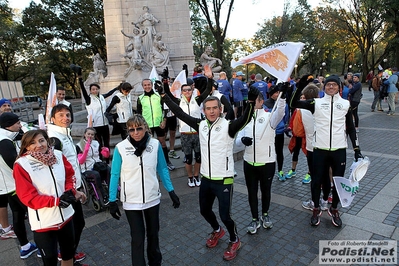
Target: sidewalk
<point x="374" y="214"/>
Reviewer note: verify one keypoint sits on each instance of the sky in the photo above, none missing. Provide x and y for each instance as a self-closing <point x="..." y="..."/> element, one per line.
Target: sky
<point x="244" y="18"/>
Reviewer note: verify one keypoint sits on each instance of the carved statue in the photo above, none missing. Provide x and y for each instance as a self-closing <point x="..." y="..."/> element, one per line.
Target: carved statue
<point x="147" y="22"/>
<point x="99" y="65"/>
<point x="206" y="59"/>
<point x="159" y="56"/>
<point x="134" y="49"/>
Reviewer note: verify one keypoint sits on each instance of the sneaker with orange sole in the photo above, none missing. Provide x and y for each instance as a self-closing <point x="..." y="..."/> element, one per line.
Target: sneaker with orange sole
<point x="214" y="238"/>
<point x="231" y="251"/>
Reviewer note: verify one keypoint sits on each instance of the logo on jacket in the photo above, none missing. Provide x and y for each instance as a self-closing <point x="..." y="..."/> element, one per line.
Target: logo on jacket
<point x="218" y="128"/>
<point x="339" y="106"/>
<point x="261" y="120"/>
<point x="149" y="148"/>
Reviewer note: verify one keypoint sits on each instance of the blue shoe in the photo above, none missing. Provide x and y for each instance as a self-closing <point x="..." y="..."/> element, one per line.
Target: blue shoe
<point x="281" y="176"/>
<point x="290" y="174"/>
<point x="24" y="254"/>
<point x="306" y="179"/>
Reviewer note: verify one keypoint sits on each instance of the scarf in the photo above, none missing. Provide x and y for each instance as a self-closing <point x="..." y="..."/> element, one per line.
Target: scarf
<point x="139" y="145"/>
<point x="47" y="158"/>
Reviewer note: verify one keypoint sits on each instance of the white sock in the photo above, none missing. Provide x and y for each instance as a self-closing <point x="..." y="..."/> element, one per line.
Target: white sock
<point x="25" y="247"/>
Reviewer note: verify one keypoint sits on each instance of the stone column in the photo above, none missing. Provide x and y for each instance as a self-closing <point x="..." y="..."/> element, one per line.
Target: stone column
<point x="174" y="25"/>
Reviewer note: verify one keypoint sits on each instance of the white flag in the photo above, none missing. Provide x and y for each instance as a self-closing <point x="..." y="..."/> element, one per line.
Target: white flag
<point x="153" y="76"/>
<point x="51" y="97"/>
<point x="277" y="59"/>
<point x="346" y="190"/>
<point x="180" y="80"/>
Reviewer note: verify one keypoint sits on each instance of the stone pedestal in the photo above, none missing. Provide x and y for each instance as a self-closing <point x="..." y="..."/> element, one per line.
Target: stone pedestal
<point x="174" y="25"/>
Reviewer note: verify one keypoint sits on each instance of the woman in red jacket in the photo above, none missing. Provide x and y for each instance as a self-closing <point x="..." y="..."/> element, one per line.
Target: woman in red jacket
<point x="45" y="184"/>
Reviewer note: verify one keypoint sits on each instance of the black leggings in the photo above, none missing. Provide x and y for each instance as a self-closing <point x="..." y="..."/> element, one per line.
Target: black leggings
<point x="253" y="176"/>
<point x="102" y="136"/>
<point x="78" y="222"/>
<point x="138" y="231"/>
<point x="47" y="243"/>
<point x="209" y="190"/>
<point x="279" y="145"/>
<point x="322" y="161"/>
<point x="297" y="148"/>
<point x="355" y="108"/>
<point x="18" y="218"/>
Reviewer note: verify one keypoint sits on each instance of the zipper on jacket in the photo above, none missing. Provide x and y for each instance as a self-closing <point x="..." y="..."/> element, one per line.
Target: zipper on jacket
<point x="209" y="152"/>
<point x="142" y="178"/>
<point x="331" y="120"/>
<point x="124" y="190"/>
<point x="56" y="192"/>
<point x="253" y="136"/>
<point x="152" y="113"/>
<point x="227" y="163"/>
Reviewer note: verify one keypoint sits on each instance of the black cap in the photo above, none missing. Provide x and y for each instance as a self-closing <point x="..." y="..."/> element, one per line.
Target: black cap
<point x="8" y="119"/>
<point x="333" y="78"/>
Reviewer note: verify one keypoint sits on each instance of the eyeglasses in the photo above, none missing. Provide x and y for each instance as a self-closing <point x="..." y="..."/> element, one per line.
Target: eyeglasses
<point x="138" y="129"/>
<point x="332" y="85"/>
<point x="186" y="90"/>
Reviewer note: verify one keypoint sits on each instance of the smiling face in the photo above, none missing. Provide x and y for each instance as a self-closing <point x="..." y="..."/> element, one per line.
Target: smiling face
<point x="89" y="134"/>
<point x="60" y="94"/>
<point x="212" y="110"/>
<point x="187" y="91"/>
<point x="94" y="90"/>
<point x="62" y="118"/>
<point x="331" y="88"/>
<point x="147" y="85"/>
<point x="38" y="144"/>
<point x="5" y="108"/>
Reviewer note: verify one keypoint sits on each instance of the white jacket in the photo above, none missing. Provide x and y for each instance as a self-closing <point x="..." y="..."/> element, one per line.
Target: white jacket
<point x="330" y="122"/>
<point x="7" y="182"/>
<point x="192" y="109"/>
<point x="139" y="184"/>
<point x="97" y="108"/>
<point x="68" y="148"/>
<point x="93" y="156"/>
<point x="47" y="182"/>
<point x="124" y="107"/>
<point x="216" y="149"/>
<point x="308" y="125"/>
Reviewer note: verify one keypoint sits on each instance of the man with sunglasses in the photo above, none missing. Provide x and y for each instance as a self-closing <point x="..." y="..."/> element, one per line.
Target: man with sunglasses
<point x="189" y="136"/>
<point x="216" y="135"/>
<point x="332" y="123"/>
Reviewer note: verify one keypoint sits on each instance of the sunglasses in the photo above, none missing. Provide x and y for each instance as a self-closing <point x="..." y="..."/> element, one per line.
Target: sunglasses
<point x="186" y="90"/>
<point x="138" y="129"/>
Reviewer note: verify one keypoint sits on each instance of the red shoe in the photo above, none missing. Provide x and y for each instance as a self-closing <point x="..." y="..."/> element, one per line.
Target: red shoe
<point x="79" y="256"/>
<point x="214" y="239"/>
<point x="231" y="251"/>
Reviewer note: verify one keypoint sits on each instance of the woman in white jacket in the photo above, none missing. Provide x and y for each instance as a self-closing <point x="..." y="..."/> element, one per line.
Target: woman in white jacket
<point x="45" y="184"/>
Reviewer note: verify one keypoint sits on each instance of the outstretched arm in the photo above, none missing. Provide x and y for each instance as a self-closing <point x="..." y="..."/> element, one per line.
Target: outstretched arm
<point x="84" y="92"/>
<point x="179" y="113"/>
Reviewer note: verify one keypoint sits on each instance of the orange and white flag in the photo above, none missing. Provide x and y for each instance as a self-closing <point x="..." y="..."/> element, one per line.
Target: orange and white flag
<point x="180" y="80"/>
<point x="51" y="98"/>
<point x="278" y="59"/>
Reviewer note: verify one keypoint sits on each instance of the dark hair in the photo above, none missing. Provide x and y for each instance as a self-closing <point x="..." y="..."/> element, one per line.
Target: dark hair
<point x="60" y="88"/>
<point x="260" y="96"/>
<point x="28" y="137"/>
<point x="145" y="80"/>
<point x="95" y="85"/>
<point x="311" y="91"/>
<point x="212" y="98"/>
<point x="126" y="86"/>
<point x="59" y="108"/>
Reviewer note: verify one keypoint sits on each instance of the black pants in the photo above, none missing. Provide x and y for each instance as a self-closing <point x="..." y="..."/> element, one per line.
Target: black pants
<point x="297" y="149"/>
<point x="18" y="218"/>
<point x="102" y="136"/>
<point x="97" y="179"/>
<point x="137" y="232"/>
<point x="78" y="222"/>
<point x="279" y="145"/>
<point x="48" y="243"/>
<point x="355" y="108"/>
<point x="322" y="161"/>
<point x="209" y="190"/>
<point x="262" y="175"/>
<point x="309" y="158"/>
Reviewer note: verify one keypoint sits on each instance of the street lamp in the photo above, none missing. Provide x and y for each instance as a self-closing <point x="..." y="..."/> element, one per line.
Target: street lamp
<point x="296" y="70"/>
<point x="385" y="63"/>
<point x="322" y="68"/>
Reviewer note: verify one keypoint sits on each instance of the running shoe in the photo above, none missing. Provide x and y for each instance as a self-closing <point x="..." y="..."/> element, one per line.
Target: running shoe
<point x="307" y="179"/>
<point x="290" y="174"/>
<point x="231" y="251"/>
<point x="253" y="226"/>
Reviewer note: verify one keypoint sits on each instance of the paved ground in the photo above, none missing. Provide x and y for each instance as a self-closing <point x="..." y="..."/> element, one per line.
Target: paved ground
<point x="374" y="214"/>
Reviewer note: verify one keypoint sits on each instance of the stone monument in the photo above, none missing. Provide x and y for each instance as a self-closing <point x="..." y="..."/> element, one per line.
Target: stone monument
<point x="140" y="34"/>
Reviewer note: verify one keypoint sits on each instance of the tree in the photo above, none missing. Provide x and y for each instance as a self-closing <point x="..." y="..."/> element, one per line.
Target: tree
<point x="66" y="32"/>
<point x="214" y="24"/>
